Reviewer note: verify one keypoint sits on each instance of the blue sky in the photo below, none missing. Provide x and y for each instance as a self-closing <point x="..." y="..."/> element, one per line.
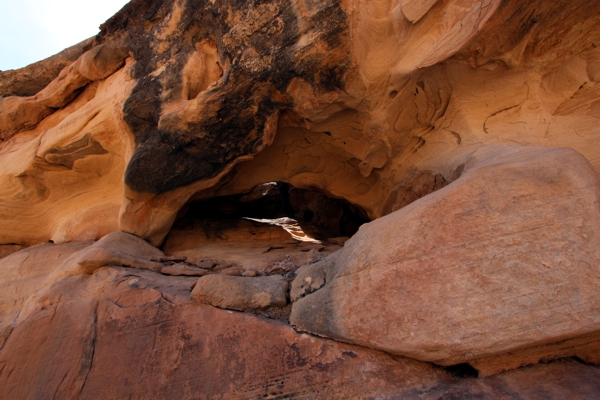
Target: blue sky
<point x="31" y="30"/>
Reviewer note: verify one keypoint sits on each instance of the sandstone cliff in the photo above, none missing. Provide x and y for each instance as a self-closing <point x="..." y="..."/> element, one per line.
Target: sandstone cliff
<point x="178" y="193"/>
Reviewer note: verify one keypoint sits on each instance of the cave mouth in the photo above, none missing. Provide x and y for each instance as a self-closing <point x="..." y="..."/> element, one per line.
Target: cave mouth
<point x="462" y="371"/>
<point x="320" y="216"/>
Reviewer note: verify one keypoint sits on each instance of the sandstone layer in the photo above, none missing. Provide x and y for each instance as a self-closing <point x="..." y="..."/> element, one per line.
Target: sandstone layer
<point x="375" y="102"/>
<point x="194" y="150"/>
<point x="123" y="332"/>
<point x="33" y="78"/>
<point x="241" y="293"/>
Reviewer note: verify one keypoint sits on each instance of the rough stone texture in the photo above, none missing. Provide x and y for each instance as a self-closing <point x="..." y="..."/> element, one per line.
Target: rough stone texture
<point x="140" y="331"/>
<point x="25" y="113"/>
<point x="25" y="272"/>
<point x="505" y="258"/>
<point x="63" y="179"/>
<point x="241" y="293"/>
<point x="374" y="102"/>
<point x="254" y="244"/>
<point x="8" y="249"/>
<point x="549" y="381"/>
<point x="33" y="78"/>
<point x="131" y="333"/>
<point x="414" y="10"/>
<point x="378" y="103"/>
<point x="184" y="270"/>
<point x="118" y="249"/>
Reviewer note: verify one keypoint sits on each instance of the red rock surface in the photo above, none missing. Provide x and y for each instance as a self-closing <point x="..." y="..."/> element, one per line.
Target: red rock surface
<point x="140" y="150"/>
<point x="122" y="333"/>
<point x="241" y="293"/>
<point x="133" y="333"/>
<point x="504" y="259"/>
<point x="374" y="102"/>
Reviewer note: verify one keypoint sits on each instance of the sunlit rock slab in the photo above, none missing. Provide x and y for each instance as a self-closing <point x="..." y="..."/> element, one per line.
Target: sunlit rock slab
<point x="504" y="259"/>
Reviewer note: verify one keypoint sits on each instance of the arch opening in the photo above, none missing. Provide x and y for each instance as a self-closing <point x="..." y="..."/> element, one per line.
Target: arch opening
<point x="325" y="216"/>
<point x="274" y="227"/>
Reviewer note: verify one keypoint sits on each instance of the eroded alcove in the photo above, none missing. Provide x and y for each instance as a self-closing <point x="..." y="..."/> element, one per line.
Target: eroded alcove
<point x="326" y="216"/>
<point x="202" y="69"/>
<point x="274" y="223"/>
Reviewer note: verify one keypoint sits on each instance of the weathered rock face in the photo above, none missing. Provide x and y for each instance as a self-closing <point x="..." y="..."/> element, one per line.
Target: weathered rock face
<point x="134" y="138"/>
<point x="62" y="180"/>
<point x="241" y="293"/>
<point x="123" y="332"/>
<point x="87" y="326"/>
<point x="23" y="274"/>
<point x="470" y="272"/>
<point x="376" y="102"/>
<point x="33" y="78"/>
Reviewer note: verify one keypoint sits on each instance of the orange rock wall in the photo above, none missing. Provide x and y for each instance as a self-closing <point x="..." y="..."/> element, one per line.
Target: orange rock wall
<point x="468" y="129"/>
<point x="418" y="87"/>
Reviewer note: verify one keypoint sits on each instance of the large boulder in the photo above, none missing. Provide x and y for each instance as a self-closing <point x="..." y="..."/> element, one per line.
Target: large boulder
<point x="505" y="258"/>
